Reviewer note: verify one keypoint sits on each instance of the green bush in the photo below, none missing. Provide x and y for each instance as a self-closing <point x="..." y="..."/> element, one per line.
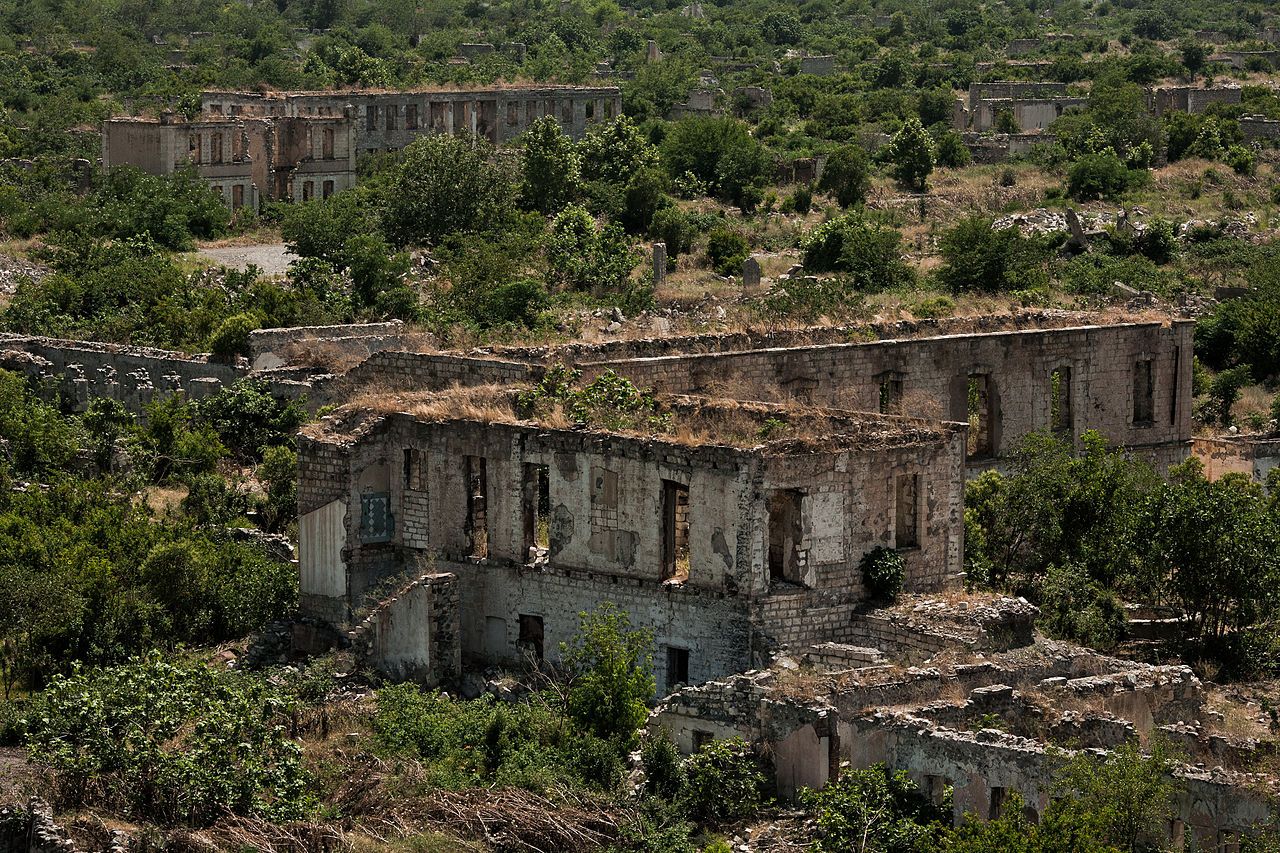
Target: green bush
<point x="1101" y="176"/>
<point x="1241" y="160"/>
<point x="883" y="573"/>
<point x="611" y="665"/>
<point x="726" y="251"/>
<point x="231" y="338"/>
<point x="876" y="809"/>
<point x="530" y="744"/>
<point x="869" y="251"/>
<point x="1074" y="607"/>
<point x="170" y="744"/>
<point x="846" y="175"/>
<point x="724" y="782"/>
<point x="978" y="257"/>
<point x="675" y="228"/>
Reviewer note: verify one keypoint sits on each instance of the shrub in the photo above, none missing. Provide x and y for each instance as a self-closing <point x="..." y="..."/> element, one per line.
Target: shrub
<point x="724" y="782"/>
<point x="1074" y="607"/>
<point x="802" y="199"/>
<point x="1241" y="160"/>
<point x="864" y="248"/>
<point x="726" y="250"/>
<point x="675" y="228"/>
<point x="585" y="257"/>
<point x="846" y="176"/>
<point x="882" y="573"/>
<point x="911" y="154"/>
<point x="612" y="668"/>
<point x="1097" y="176"/>
<point x="951" y="151"/>
<point x="170" y="744"/>
<point x="978" y="257"/>
<point x="231" y="338"/>
<point x="875" y="809"/>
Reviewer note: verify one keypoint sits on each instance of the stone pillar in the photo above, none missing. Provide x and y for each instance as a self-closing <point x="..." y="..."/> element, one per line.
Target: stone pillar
<point x="579" y="117"/>
<point x="652" y="54"/>
<point x="750" y="273"/>
<point x="659" y="263"/>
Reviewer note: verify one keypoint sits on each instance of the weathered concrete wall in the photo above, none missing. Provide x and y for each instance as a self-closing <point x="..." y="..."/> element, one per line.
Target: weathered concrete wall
<point x="272" y="348"/>
<point x="422" y="371"/>
<point x="1253" y="457"/>
<point x="133" y="376"/>
<point x="415" y="634"/>
<point x="388" y="121"/>
<point x="934" y="373"/>
<point x="604" y="518"/>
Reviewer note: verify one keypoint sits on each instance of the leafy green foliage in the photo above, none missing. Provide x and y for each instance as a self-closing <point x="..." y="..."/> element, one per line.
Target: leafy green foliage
<point x="724" y="781"/>
<point x="530" y="744"/>
<point x="171" y="744"/>
<point x="882" y="573"/>
<point x="978" y="258"/>
<point x="1101" y="175"/>
<point x="551" y="168"/>
<point x="442" y="185"/>
<point x="586" y="257"/>
<point x="875" y="810"/>
<point x="719" y="152"/>
<point x="846" y="175"/>
<point x="868" y="251"/>
<point x="727" y="250"/>
<point x="611" y="666"/>
<point x="911" y="154"/>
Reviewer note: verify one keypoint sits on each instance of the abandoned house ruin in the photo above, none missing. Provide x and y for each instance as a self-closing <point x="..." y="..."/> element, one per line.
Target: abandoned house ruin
<point x="254" y="147"/>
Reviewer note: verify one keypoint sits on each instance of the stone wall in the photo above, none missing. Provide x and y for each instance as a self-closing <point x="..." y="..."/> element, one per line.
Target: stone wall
<point x="414" y="635"/>
<point x="1101" y="364"/>
<point x="80" y="371"/>
<point x="1248" y="455"/>
<point x="402" y="491"/>
<point x="386" y="121"/>
<point x="391" y="369"/>
<point x="273" y="348"/>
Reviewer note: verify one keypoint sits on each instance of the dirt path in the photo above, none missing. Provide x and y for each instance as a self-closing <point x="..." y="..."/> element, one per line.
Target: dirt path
<point x="271" y="258"/>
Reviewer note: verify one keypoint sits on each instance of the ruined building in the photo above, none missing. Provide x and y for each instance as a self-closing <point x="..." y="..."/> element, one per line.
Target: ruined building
<point x="730" y="546"/>
<point x="247" y="160"/>
<point x="254" y="147"/>
<point x="388" y="121"/>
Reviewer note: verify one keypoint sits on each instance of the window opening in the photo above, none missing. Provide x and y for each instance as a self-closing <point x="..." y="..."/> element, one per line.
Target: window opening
<point x="675" y="531"/>
<point x="477" y="503"/>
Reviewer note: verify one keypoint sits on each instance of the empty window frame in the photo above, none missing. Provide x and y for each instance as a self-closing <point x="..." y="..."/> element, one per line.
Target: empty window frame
<point x="411" y="116"/>
<point x="371" y="117"/>
<point x="675" y="531"/>
<point x="536" y="497"/>
<point x="193" y="148"/>
<point x="326" y="145"/>
<point x="1173" y="389"/>
<point x="591" y="110"/>
<point x="981" y="409"/>
<point x="393" y="114"/>
<point x="414" y="480"/>
<point x="308" y="190"/>
<point x="477" y="525"/>
<point x="677" y="667"/>
<point x="996" y="803"/>
<point x="907" y="511"/>
<point x="215" y="148"/>
<point x="701" y="739"/>
<point x="513" y="112"/>
<point x="1061" y="417"/>
<point x="890" y="394"/>
<point x="935" y="788"/>
<point x="237" y="196"/>
<point x="327" y="189"/>
<point x="1143" y="393"/>
<point x="530" y="641"/>
<point x="784" y="536"/>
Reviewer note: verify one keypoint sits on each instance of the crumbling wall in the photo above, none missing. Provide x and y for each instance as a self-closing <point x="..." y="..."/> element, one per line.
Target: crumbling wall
<point x="81" y="371"/>
<point x="272" y="348"/>
<point x="414" y="635"/>
<point x="934" y="373"/>
<point x="422" y="371"/>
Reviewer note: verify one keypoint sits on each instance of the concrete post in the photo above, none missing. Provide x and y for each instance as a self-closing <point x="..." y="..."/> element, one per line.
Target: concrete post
<point x="750" y="273"/>
<point x="659" y="263"/>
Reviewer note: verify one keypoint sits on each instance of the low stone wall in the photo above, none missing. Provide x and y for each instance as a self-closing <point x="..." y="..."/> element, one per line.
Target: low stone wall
<point x="423" y="372"/>
<point x="32" y="829"/>
<point x="272" y="348"/>
<point x="134" y="376"/>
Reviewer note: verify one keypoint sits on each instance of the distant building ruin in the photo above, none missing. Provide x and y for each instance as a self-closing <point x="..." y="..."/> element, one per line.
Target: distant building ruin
<point x="254" y="147"/>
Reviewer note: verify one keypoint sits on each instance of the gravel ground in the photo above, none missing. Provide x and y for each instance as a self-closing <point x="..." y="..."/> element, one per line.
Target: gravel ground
<point x="271" y="258"/>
